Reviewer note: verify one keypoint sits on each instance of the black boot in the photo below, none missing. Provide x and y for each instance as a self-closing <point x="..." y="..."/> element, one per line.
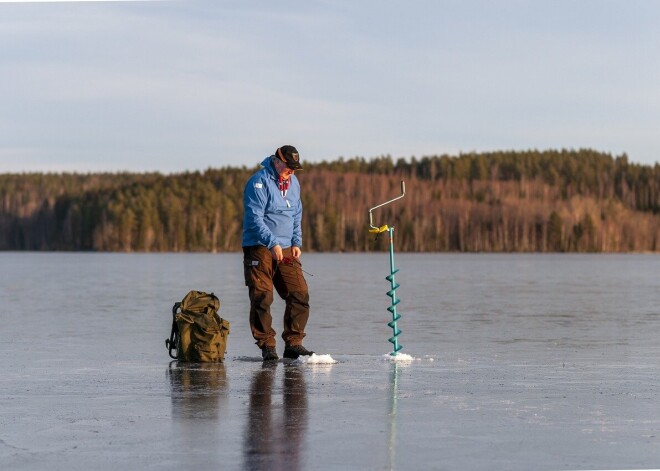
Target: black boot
<point x="294" y="351"/>
<point x="268" y="353"/>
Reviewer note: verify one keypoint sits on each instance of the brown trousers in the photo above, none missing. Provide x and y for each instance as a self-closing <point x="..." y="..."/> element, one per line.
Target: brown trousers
<point x="262" y="272"/>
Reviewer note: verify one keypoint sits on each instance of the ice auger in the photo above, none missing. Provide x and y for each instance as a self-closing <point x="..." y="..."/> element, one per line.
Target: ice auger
<point x="393" y="284"/>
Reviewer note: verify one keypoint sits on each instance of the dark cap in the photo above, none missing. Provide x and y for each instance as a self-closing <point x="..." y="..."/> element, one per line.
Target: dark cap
<point x="289" y="155"/>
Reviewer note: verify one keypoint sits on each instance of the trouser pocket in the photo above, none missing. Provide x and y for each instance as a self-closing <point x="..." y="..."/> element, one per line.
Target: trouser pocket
<point x="257" y="267"/>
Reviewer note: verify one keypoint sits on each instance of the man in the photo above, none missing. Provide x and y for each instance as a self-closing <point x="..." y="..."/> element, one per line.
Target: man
<point x="272" y="242"/>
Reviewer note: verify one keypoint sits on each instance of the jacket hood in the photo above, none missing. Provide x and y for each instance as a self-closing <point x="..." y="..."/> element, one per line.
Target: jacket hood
<point x="267" y="163"/>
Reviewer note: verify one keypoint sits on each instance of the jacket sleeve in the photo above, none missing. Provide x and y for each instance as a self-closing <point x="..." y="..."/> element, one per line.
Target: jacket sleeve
<point x="254" y="207"/>
<point x="296" y="240"/>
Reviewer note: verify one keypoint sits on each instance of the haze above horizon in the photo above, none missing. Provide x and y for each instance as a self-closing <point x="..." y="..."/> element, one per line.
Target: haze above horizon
<point x="171" y="86"/>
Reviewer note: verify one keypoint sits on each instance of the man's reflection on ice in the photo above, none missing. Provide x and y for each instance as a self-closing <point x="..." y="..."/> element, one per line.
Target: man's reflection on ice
<point x="273" y="440"/>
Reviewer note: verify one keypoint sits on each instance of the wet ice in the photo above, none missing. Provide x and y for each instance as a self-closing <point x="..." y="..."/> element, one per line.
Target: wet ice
<point x="509" y="362"/>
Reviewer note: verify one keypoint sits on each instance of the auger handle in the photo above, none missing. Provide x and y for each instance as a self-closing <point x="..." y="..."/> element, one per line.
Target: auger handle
<point x="371" y="218"/>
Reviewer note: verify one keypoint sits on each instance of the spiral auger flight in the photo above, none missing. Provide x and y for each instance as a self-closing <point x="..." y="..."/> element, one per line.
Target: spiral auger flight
<point x="392" y="294"/>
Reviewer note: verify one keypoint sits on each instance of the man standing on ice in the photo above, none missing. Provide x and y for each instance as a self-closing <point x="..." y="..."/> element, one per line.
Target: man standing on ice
<point x="272" y="241"/>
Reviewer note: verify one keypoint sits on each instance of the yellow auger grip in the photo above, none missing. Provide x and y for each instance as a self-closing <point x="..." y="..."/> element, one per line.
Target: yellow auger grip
<point x="380" y="229"/>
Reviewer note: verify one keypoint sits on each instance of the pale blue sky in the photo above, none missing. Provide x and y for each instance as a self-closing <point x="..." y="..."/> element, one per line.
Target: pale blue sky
<point x="186" y="85"/>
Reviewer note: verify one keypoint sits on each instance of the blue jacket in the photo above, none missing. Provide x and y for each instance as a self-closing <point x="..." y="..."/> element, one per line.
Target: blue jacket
<point x="269" y="218"/>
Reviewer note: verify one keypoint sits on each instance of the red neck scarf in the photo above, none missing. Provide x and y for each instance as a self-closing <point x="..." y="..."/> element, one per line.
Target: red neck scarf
<point x="284" y="185"/>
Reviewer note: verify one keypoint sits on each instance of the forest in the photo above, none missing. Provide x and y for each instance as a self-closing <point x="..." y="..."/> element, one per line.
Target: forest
<point x="507" y="201"/>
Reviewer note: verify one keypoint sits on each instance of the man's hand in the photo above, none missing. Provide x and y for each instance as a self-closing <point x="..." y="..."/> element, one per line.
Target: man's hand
<point x="276" y="252"/>
<point x="296" y="252"/>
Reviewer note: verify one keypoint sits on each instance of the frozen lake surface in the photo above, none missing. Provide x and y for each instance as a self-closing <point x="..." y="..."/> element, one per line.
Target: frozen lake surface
<point x="521" y="362"/>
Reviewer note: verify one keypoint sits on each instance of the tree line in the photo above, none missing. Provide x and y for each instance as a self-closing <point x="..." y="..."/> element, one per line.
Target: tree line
<point x="507" y="201"/>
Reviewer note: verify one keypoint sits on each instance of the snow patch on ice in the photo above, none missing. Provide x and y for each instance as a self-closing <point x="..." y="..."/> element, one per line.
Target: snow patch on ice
<point x="399" y="358"/>
<point x="315" y="359"/>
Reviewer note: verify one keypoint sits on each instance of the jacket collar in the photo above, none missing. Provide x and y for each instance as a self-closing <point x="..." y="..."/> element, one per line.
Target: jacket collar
<point x="269" y="166"/>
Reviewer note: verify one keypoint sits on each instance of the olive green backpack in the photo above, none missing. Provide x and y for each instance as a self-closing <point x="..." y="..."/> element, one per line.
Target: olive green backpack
<point x="198" y="334"/>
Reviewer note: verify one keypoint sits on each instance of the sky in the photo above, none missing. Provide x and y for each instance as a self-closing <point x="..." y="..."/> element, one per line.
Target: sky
<point x="184" y="85"/>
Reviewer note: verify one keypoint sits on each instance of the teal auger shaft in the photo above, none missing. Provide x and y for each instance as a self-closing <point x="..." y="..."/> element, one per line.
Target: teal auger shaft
<point x="392" y="294"/>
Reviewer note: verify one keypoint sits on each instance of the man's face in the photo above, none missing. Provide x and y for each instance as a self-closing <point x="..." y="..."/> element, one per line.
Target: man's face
<point x="284" y="171"/>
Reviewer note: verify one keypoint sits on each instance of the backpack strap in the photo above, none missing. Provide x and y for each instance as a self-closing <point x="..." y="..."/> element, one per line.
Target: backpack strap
<point x="173" y="341"/>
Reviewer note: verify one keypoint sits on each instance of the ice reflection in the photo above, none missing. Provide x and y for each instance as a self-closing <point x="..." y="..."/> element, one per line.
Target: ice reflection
<point x="274" y="442"/>
<point x="394" y="395"/>
<point x="196" y="389"/>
